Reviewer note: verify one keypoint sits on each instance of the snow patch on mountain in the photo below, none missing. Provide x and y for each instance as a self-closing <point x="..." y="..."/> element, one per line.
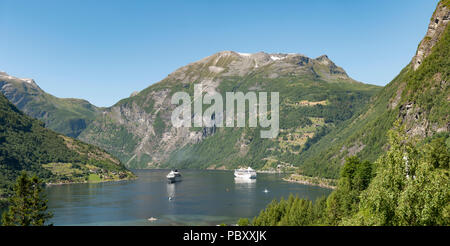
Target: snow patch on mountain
<point x="244" y="54"/>
<point x="7" y="77"/>
<point x="275" y="58"/>
<point x="215" y="69"/>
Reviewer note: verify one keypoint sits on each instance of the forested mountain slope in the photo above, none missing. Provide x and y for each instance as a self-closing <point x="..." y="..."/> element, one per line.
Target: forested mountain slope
<point x="25" y="144"/>
<point x="68" y="116"/>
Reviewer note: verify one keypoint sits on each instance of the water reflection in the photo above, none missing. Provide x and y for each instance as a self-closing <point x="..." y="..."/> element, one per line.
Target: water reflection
<point x="171" y="190"/>
<point x="243" y="183"/>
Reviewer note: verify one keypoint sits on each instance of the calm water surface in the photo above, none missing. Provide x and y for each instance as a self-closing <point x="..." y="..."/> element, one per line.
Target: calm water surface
<point x="201" y="198"/>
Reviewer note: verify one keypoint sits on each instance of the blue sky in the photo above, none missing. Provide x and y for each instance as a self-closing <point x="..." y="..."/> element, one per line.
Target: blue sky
<point x="102" y="51"/>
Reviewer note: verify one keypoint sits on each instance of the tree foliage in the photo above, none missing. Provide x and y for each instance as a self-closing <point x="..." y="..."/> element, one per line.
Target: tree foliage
<point x="28" y="206"/>
<point x="411" y="186"/>
<point x="291" y="212"/>
<point x="408" y="185"/>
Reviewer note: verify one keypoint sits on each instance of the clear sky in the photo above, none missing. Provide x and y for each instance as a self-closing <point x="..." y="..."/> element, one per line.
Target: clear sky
<point x="102" y="51"/>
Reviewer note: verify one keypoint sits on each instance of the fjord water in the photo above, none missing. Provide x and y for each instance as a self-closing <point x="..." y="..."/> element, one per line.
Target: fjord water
<point x="202" y="198"/>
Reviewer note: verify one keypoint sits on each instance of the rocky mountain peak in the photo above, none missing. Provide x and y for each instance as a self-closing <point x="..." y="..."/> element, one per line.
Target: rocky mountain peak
<point x="324" y="60"/>
<point x="134" y="93"/>
<point x="232" y="63"/>
<point x="436" y="28"/>
<point x="8" y="78"/>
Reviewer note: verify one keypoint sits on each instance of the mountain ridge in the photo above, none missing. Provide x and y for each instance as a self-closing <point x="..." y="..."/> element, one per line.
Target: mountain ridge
<point x="418" y="96"/>
<point x="141" y="119"/>
<point x="25" y="145"/>
<point x="68" y="116"/>
<point x="136" y="128"/>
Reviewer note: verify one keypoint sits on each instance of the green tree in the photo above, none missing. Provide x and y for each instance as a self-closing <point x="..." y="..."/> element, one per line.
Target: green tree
<point x="243" y="222"/>
<point x="27" y="206"/>
<point x="437" y="153"/>
<point x="291" y="212"/>
<point x="354" y="178"/>
<point x="319" y="212"/>
<point x="412" y="185"/>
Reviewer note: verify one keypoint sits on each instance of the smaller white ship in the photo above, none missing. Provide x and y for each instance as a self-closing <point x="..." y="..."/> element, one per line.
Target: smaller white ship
<point x="247" y="173"/>
<point x="174" y="176"/>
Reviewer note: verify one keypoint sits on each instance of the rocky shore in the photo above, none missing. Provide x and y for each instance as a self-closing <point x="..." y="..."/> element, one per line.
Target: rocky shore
<point x="314" y="181"/>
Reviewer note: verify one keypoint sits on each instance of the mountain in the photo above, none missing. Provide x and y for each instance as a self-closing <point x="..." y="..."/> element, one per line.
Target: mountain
<point x="419" y="97"/>
<point x="315" y="96"/>
<point x="408" y="184"/>
<point x="67" y="116"/>
<point x="25" y="144"/>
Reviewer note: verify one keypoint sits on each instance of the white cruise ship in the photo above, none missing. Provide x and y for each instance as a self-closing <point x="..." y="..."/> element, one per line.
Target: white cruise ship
<point x="174" y="176"/>
<point x="248" y="173"/>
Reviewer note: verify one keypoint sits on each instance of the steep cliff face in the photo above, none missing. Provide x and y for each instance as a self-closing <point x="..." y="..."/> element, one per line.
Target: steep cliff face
<point x="419" y="97"/>
<point x="425" y="108"/>
<point x="436" y="28"/>
<point x="67" y="116"/>
<point x="138" y="129"/>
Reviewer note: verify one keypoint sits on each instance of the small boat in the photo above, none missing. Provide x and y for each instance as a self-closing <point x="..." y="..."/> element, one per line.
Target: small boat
<point x="174" y="176"/>
<point x="247" y="173"/>
<point x="151" y="219"/>
<point x="266" y="191"/>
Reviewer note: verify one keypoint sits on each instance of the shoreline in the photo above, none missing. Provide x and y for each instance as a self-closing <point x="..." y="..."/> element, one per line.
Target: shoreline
<point x="311" y="181"/>
<point x="291" y="177"/>
<point x="87" y="182"/>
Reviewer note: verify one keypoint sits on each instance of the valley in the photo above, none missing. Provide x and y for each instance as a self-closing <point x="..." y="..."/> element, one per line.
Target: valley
<point x="327" y="149"/>
<point x="315" y="96"/>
